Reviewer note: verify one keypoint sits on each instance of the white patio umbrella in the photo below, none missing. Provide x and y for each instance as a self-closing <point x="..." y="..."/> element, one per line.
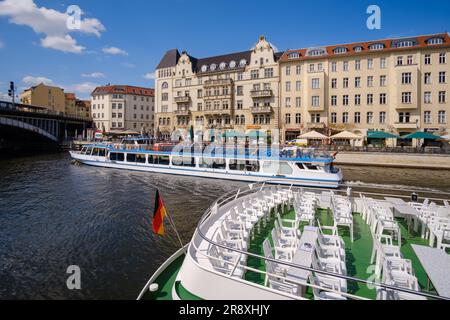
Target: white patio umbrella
<point x="346" y="135"/>
<point x="446" y="137"/>
<point x="312" y="135"/>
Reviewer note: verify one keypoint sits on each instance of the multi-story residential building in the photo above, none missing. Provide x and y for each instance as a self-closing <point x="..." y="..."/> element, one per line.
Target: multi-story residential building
<point x="398" y="85"/>
<point x="70" y="104"/>
<point x="83" y="108"/>
<point x="238" y="90"/>
<point x="50" y="97"/>
<point x="122" y="107"/>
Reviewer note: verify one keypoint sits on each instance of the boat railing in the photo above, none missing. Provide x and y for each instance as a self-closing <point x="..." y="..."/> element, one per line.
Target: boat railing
<point x="234" y="195"/>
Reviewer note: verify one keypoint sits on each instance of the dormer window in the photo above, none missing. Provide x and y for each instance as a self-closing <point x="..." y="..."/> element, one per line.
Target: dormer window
<point x="358" y="49"/>
<point x="213" y="67"/>
<point x="293" y="55"/>
<point x="376" y="46"/>
<point x="204" y="68"/>
<point x="222" y="65"/>
<point x="340" y="50"/>
<point x="242" y="63"/>
<point x="404" y="44"/>
<point x="232" y="64"/>
<point x="434" y="41"/>
<point x="315" y="52"/>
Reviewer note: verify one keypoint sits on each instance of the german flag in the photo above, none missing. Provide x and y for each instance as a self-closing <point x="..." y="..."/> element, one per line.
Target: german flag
<point x="158" y="215"/>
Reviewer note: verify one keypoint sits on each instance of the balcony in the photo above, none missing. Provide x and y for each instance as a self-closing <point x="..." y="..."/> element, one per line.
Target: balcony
<point x="316" y="109"/>
<point x="182" y="112"/>
<point x="183" y="99"/>
<point x="266" y="93"/>
<point x="221" y="95"/>
<point x="406" y="125"/>
<point x="406" y="106"/>
<point x="218" y="82"/>
<point x="219" y="111"/>
<point x="261" y="109"/>
<point x="315" y="125"/>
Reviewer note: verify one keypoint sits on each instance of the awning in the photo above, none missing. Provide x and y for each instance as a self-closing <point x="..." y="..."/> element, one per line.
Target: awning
<point x="381" y="135"/>
<point x="421" y="135"/>
<point x="446" y="137"/>
<point x="346" y="135"/>
<point x="312" y="135"/>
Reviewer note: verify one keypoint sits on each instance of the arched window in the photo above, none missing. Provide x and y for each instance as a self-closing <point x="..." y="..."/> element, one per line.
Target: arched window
<point x="358" y="49"/>
<point x="232" y="64"/>
<point x="293" y="55"/>
<point x="242" y="63"/>
<point x="434" y="41"/>
<point x="316" y="52"/>
<point x="242" y="119"/>
<point x="404" y="44"/>
<point x="340" y="50"/>
<point x="204" y="68"/>
<point x="222" y="65"/>
<point x="165" y="85"/>
<point x="376" y="46"/>
<point x="213" y="67"/>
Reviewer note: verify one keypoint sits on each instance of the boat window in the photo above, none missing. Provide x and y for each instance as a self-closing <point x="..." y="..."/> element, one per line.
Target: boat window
<point x="140" y="158"/>
<point x="102" y="152"/>
<point x="114" y="156"/>
<point x="219" y="164"/>
<point x="238" y="165"/>
<point x="163" y="160"/>
<point x="88" y="151"/>
<point x="183" y="161"/>
<point x="95" y="152"/>
<point x="83" y="150"/>
<point x="131" y="157"/>
<point x="309" y="166"/>
<point x="285" y="168"/>
<point x="270" y="167"/>
<point x="300" y="166"/>
<point x="252" y="166"/>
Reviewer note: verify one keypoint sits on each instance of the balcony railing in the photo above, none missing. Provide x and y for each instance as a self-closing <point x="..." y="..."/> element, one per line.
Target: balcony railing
<point x="183" y="99"/>
<point x="182" y="112"/>
<point x="406" y="125"/>
<point x="261" y="93"/>
<point x="218" y="82"/>
<point x="261" y="109"/>
<point x="217" y="111"/>
<point x="316" y="125"/>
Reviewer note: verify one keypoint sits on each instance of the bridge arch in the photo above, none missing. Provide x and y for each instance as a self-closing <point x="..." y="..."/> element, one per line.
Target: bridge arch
<point x="26" y="126"/>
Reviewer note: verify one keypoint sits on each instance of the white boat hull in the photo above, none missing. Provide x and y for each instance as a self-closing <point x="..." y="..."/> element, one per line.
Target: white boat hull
<point x="313" y="179"/>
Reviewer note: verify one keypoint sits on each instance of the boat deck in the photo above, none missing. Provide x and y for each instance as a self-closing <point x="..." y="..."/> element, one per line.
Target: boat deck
<point x="358" y="256"/>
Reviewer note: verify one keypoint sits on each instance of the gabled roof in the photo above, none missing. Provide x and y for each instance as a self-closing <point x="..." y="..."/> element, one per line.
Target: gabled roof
<point x="118" y="89"/>
<point x="170" y="59"/>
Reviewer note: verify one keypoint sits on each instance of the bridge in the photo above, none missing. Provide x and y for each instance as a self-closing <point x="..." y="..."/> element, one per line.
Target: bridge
<point x="34" y="127"/>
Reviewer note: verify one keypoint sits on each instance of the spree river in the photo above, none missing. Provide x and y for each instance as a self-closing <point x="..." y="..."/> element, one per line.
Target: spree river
<point x="54" y="214"/>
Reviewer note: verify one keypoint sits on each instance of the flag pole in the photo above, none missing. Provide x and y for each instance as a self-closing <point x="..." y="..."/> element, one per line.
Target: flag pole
<point x="172" y="224"/>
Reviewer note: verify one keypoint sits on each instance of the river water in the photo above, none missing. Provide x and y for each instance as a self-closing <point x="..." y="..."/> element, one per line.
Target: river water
<point x="54" y="214"/>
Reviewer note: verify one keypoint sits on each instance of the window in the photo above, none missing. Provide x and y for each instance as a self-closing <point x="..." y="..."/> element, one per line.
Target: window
<point x="345" y="100"/>
<point x="239" y="104"/>
<point x="333" y="100"/>
<point x="442" y="117"/>
<point x="369" y="117"/>
<point x="357" y="82"/>
<point x="400" y="61"/>
<point x="164" y="85"/>
<point x="333" y="117"/>
<point x="288" y="70"/>
<point x="383" y="63"/>
<point x="442" y="97"/>
<point x="345" y="83"/>
<point x="428" y="59"/>
<point x="442" y="78"/>
<point x="340" y="50"/>
<point x="370" y="81"/>
<point x="382" y="117"/>
<point x="427" y="97"/>
<point x="442" y="58"/>
<point x="298" y="102"/>
<point x="334" y="83"/>
<point x="165" y="97"/>
<point x="345" y="117"/>
<point x="333" y="67"/>
<point x="298" y="85"/>
<point x="427" y="78"/>
<point x="357" y="117"/>
<point x="287" y="102"/>
<point x="268" y="73"/>
<point x="434" y="41"/>
<point x="288" y="86"/>
<point x="316" y="83"/>
<point x="383" y="98"/>
<point x="298" y="69"/>
<point x="240" y="76"/>
<point x="357" y="64"/>
<point x="288" y="118"/>
<point x="383" y="81"/>
<point x="315" y="101"/>
<point x="427" y="116"/>
<point x="357" y="99"/>
<point x="406" y="78"/>
<point x="315" y="117"/>
<point x="376" y="46"/>
<point x="406" y="97"/>
<point x="370" y="99"/>
<point x="369" y="63"/>
<point x="404" y="117"/>
<point x="298" y="118"/>
<point x="358" y="49"/>
<point x="345" y="66"/>
<point x="409" y="60"/>
<point x="311" y="68"/>
<point x="239" y="90"/>
<point x="254" y="74"/>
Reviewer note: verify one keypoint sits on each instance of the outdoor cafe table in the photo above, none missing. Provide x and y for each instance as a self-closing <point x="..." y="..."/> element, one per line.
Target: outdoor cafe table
<point x="303" y="257"/>
<point x="404" y="209"/>
<point x="437" y="265"/>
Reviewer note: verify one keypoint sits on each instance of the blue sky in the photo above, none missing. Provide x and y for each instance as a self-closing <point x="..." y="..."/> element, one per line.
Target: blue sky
<point x="122" y="42"/>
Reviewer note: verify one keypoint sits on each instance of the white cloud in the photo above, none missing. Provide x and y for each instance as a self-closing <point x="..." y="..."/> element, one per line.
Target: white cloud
<point x="129" y="65"/>
<point x="115" y="51"/>
<point x="32" y="81"/>
<point x="93" y="75"/>
<point x="149" y="76"/>
<point x="49" y="22"/>
<point x="81" y="88"/>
